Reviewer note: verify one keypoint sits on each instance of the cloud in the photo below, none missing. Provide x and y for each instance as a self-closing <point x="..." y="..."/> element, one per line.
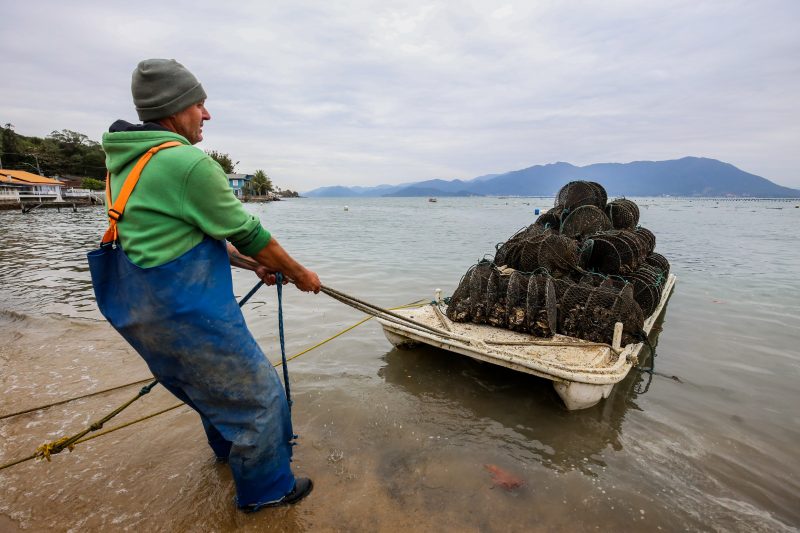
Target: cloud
<point x="362" y="93"/>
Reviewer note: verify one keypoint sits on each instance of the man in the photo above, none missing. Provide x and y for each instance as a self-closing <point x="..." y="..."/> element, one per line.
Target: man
<point x="166" y="286"/>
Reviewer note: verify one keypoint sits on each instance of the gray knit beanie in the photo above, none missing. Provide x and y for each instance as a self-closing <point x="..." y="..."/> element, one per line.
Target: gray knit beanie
<point x="162" y="87"/>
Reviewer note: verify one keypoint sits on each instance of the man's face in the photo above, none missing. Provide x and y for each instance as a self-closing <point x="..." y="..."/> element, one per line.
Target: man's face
<point x="189" y="122"/>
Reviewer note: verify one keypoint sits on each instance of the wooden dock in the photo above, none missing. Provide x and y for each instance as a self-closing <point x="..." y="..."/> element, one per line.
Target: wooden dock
<point x="28" y="206"/>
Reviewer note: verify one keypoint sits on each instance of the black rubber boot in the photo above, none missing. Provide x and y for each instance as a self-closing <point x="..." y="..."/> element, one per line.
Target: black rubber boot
<point x="302" y="488"/>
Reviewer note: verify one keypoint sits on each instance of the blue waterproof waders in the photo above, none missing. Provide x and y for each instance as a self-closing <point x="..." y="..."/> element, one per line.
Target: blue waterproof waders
<point x="183" y="319"/>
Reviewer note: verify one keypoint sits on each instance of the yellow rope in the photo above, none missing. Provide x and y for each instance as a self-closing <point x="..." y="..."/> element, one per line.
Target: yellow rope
<point x="418" y="303"/>
<point x="62" y="402"/>
<point x="50" y="448"/>
<point x="132" y="422"/>
<point x="47" y="449"/>
<point x="279" y="363"/>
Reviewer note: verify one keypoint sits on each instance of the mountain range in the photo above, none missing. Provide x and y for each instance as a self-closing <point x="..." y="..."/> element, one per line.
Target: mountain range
<point x="689" y="176"/>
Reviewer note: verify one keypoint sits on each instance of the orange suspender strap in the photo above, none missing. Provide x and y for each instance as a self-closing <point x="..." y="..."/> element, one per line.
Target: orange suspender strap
<point x="108" y="188"/>
<point x="117" y="208"/>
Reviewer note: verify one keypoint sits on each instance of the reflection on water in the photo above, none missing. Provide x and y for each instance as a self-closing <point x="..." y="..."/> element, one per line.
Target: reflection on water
<point x="399" y="439"/>
<point x="527" y="405"/>
<point x="520" y="403"/>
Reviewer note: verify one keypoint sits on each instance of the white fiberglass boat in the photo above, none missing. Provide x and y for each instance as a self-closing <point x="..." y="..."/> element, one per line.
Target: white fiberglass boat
<point x="582" y="372"/>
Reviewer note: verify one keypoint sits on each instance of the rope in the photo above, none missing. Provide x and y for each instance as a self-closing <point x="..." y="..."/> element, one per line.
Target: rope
<point x="59" y="445"/>
<point x="68" y="442"/>
<point x="417" y="303"/>
<point x="253" y="291"/>
<point x="279" y="285"/>
<point x="651" y="370"/>
<point x="644" y="369"/>
<point x="376" y="311"/>
<point x="68" y="400"/>
<point x="132" y="422"/>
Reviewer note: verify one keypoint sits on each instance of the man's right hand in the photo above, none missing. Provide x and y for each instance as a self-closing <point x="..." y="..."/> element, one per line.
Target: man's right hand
<point x="276" y="259"/>
<point x="308" y="281"/>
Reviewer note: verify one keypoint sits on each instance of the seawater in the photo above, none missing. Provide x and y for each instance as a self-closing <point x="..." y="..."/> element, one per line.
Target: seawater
<point x="402" y="439"/>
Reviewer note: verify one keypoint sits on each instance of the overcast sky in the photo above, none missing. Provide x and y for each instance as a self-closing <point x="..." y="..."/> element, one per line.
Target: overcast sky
<point x="363" y="93"/>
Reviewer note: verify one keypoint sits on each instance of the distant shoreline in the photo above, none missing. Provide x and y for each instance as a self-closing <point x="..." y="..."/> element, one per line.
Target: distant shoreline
<point x="507" y="197"/>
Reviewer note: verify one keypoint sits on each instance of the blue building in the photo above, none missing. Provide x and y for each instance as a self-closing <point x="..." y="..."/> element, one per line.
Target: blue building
<point x="239" y="182"/>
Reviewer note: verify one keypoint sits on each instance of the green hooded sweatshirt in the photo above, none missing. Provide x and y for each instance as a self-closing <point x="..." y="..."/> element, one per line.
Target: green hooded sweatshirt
<point x="182" y="196"/>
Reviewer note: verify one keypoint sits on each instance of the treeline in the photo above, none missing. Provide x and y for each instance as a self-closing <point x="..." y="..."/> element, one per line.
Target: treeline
<point x="69" y="153"/>
<point x="62" y="153"/>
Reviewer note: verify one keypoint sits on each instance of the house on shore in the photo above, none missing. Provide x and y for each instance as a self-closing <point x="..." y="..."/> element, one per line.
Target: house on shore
<point x="238" y="183"/>
<point x="20" y="188"/>
<point x="20" y="185"/>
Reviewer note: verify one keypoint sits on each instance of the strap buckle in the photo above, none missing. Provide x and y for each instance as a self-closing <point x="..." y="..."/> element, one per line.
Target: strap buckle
<point x="113" y="213"/>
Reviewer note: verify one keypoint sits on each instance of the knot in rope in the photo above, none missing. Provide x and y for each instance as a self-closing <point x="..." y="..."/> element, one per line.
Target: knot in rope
<point x="51" y="448"/>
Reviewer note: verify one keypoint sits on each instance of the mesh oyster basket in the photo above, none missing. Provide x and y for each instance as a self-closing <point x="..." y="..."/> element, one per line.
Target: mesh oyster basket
<point x="516" y="301"/>
<point x="459" y="307"/>
<point x="658" y="261"/>
<point x="550" y="219"/>
<point x="578" y="193"/>
<point x="496" y="302"/>
<point x="584" y="221"/>
<point x="647" y="237"/>
<point x="615" y="253"/>
<point x="541" y="306"/>
<point x="623" y="213"/>
<point x="478" y="291"/>
<point x="590" y="313"/>
<point x="557" y="254"/>
<point x="507" y="252"/>
<point x="648" y="282"/>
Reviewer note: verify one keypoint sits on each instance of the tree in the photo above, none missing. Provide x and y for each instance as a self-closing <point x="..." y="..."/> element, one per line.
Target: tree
<point x="71" y="138"/>
<point x="93" y="184"/>
<point x="9" y="146"/>
<point x="224" y="161"/>
<point x="69" y="152"/>
<point x="64" y="152"/>
<point x="261" y="183"/>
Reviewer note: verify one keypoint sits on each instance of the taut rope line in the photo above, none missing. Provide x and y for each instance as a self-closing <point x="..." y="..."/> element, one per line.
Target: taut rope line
<point x="51" y="448"/>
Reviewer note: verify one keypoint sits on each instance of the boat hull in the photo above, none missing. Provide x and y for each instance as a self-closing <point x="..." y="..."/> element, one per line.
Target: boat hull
<point x="582" y="372"/>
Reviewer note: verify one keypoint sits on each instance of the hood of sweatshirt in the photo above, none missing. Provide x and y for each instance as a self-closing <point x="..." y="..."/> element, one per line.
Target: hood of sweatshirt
<point x="125" y="142"/>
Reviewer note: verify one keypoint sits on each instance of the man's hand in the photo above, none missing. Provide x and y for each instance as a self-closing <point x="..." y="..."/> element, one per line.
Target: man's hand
<point x="275" y="259"/>
<point x="308" y="282"/>
<point x="266" y="276"/>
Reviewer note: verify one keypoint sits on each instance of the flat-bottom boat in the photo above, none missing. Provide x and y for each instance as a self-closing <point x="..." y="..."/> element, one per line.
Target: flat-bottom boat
<point x="582" y="372"/>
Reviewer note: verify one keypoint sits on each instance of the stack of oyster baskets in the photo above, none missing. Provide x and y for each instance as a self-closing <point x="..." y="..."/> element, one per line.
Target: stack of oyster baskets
<point x="581" y="267"/>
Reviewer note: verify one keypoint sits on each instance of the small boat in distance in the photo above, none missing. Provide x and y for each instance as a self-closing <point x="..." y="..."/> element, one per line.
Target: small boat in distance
<point x="432" y="200"/>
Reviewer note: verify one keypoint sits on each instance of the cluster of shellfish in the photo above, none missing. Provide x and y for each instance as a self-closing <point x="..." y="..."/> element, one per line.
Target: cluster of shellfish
<point x="577" y="270"/>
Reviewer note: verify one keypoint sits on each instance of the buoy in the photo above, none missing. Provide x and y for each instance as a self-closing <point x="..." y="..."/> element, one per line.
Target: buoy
<point x="346" y="208"/>
<point x="536" y="211"/>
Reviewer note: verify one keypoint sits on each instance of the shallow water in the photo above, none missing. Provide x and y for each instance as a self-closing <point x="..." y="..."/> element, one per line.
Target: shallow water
<point x="401" y="439"/>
